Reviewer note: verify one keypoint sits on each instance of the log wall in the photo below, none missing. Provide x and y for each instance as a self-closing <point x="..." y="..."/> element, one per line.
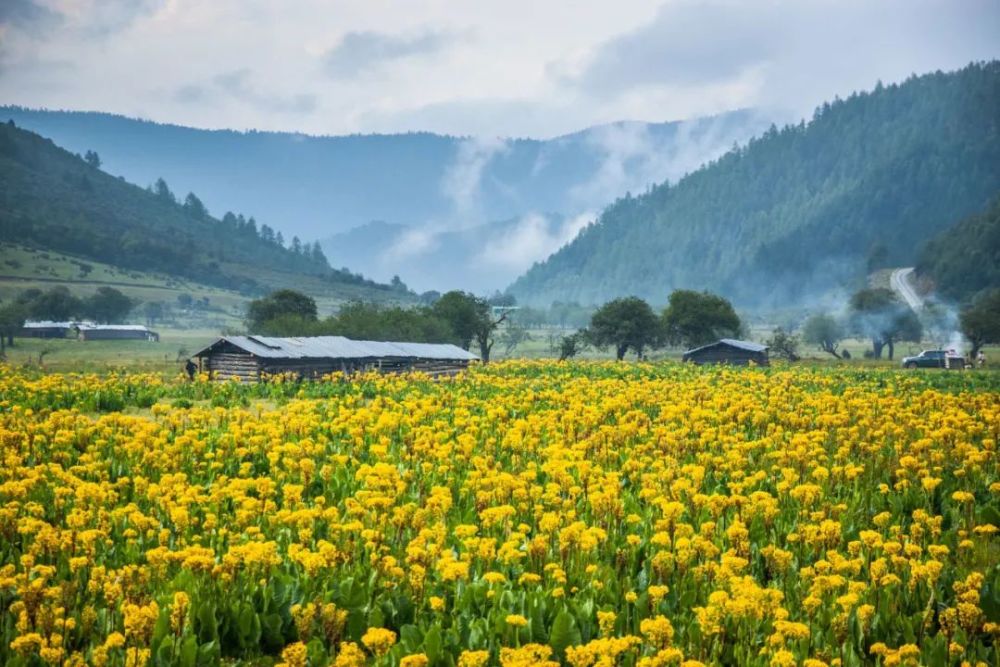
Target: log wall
<point x="227" y="365"/>
<point x="729" y="356"/>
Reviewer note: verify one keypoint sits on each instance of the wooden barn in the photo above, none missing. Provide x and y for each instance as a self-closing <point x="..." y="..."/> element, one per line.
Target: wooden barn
<point x="47" y="329"/>
<point x="729" y="351"/>
<point x="250" y="357"/>
<point x="117" y="332"/>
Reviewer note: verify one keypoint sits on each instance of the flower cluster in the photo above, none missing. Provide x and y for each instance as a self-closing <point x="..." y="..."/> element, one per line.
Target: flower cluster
<point x="530" y="513"/>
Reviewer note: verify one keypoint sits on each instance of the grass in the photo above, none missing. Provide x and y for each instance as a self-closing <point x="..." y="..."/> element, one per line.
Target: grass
<point x="24" y="268"/>
<point x="69" y="355"/>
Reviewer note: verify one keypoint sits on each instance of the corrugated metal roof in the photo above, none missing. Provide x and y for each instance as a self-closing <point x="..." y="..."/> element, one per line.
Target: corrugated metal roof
<point x="46" y="324"/>
<point x="338" y="347"/>
<point x="85" y="326"/>
<point x="732" y="342"/>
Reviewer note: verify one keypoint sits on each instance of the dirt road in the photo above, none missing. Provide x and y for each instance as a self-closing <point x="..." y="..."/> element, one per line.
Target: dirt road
<point x="900" y="283"/>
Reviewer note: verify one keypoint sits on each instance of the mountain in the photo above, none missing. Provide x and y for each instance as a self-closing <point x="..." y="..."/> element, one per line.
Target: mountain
<point x="481" y="258"/>
<point x="316" y="187"/>
<point x="52" y="199"/>
<point x="965" y="259"/>
<point x="797" y="210"/>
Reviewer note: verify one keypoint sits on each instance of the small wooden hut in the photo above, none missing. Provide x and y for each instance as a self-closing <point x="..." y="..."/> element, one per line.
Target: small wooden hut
<point x="729" y="351"/>
<point x="117" y="332"/>
<point x="46" y="329"/>
<point x="251" y="357"/>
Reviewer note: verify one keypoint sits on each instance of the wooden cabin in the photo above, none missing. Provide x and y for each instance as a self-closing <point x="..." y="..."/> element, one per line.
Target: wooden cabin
<point x="47" y="329"/>
<point x="251" y="357"/>
<point x="729" y="351"/>
<point x="117" y="332"/>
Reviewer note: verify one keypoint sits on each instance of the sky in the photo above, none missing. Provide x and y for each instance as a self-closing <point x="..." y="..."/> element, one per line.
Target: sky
<point x="487" y="68"/>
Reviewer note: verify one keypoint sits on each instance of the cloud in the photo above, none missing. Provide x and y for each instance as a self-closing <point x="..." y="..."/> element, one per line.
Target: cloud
<point x="462" y="179"/>
<point x="488" y="68"/>
<point x="783" y="53"/>
<point x="92" y="18"/>
<point x="107" y="17"/>
<point x="361" y="52"/>
<point x="686" y="43"/>
<point x="634" y="156"/>
<point x="238" y="85"/>
<point x="27" y="15"/>
<point x="533" y="238"/>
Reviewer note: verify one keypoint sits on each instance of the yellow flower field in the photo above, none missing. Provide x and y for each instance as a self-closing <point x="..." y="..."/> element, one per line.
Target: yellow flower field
<point x="523" y="514"/>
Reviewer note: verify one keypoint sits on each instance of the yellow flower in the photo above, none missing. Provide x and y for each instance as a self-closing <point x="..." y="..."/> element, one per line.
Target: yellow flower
<point x="516" y="620"/>
<point x="295" y="655"/>
<point x="473" y="658"/>
<point x="378" y="640"/>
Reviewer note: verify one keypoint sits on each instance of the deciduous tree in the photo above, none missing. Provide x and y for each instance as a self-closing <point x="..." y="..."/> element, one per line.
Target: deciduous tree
<point x="980" y="321"/>
<point x="825" y="332"/>
<point x="697" y="318"/>
<point x="627" y="323"/>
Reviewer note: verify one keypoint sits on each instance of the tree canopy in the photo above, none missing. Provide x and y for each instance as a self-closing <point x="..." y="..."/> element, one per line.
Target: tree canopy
<point x="798" y="209"/>
<point x="279" y="311"/>
<point x="108" y="306"/>
<point x="53" y="199"/>
<point x="877" y="313"/>
<point x="824" y="331"/>
<point x="697" y="318"/>
<point x="964" y="259"/>
<point x="624" y="324"/>
<point x="980" y="321"/>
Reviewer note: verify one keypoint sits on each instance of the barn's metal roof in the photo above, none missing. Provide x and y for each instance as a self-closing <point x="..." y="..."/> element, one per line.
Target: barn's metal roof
<point x="47" y="324"/>
<point x="338" y="347"/>
<point x="86" y="326"/>
<point x="731" y="342"/>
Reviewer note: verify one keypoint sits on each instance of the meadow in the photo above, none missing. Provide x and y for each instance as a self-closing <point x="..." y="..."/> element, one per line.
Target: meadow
<point x="525" y="513"/>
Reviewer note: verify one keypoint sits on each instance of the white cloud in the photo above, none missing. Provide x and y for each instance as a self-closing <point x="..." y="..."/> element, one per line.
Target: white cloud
<point x="463" y="178"/>
<point x="494" y="67"/>
<point x="362" y="52"/>
<point x="533" y="238"/>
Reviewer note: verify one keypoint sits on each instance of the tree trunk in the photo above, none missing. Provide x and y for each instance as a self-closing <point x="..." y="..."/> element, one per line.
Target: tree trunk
<point x="877" y="346"/>
<point x="484" y="349"/>
<point x="891" y="348"/>
<point x="620" y="351"/>
<point x="830" y="349"/>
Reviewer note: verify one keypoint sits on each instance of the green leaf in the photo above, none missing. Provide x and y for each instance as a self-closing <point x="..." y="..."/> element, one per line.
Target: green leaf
<point x="564" y="633"/>
<point x="209" y="654"/>
<point x="188" y="656"/>
<point x="208" y="628"/>
<point x="432" y="644"/>
<point x="411" y="638"/>
<point x="244" y="622"/>
<point x="271" y="632"/>
<point x="376" y="619"/>
<point x="478" y="632"/>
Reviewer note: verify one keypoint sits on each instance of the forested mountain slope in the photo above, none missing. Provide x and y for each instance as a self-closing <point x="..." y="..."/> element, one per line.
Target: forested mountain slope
<point x="53" y="199"/>
<point x="965" y="259"/>
<point x="800" y="208"/>
<point x="317" y="186"/>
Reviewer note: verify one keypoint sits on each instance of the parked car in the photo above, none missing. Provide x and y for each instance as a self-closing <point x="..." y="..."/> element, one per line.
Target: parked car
<point x="934" y="359"/>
